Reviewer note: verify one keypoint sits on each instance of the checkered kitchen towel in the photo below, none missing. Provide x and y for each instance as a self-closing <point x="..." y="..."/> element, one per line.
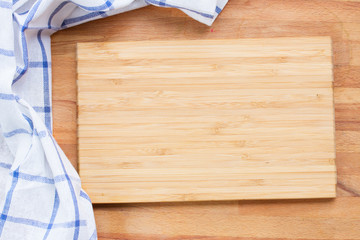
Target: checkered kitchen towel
<point x="40" y="193"/>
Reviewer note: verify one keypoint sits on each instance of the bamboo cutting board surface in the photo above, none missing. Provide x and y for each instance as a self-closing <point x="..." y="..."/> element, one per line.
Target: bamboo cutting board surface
<point x="206" y="120"/>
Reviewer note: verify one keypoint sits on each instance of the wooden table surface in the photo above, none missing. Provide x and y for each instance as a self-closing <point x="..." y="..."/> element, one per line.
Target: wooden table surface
<point x="277" y="219"/>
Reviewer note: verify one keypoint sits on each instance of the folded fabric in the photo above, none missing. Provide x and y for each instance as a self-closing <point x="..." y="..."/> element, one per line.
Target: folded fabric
<point x="41" y="197"/>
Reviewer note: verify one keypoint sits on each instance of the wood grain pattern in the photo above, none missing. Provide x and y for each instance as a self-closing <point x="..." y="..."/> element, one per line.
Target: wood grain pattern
<point x="206" y="120"/>
<point x="240" y="220"/>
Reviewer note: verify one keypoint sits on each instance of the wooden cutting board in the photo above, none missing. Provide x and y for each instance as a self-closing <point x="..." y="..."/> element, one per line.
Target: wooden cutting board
<point x="206" y="120"/>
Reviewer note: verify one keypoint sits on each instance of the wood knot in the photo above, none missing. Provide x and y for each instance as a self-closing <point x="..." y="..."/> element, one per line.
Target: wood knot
<point x="162" y="151"/>
<point x="218" y="126"/>
<point x="246" y="117"/>
<point x="117" y="82"/>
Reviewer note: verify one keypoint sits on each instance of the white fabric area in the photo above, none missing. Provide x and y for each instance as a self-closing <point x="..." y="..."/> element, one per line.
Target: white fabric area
<point x="40" y="194"/>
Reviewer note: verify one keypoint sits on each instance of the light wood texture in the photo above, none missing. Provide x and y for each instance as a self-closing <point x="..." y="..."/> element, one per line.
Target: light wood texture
<point x="206" y="120"/>
<point x="234" y="220"/>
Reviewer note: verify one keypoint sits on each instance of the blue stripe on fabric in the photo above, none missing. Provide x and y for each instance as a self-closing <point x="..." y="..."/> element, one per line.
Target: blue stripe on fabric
<point x="109" y="3"/>
<point x="16" y="131"/>
<point x="23" y="39"/>
<point x="94" y="235"/>
<point x="159" y="3"/>
<point x="18" y="69"/>
<point x="84" y="195"/>
<point x="71" y="187"/>
<point x="4" y="4"/>
<point x="60" y="178"/>
<point x="34" y="178"/>
<point x="42" y="109"/>
<point x="8" y="53"/>
<point x="38" y="28"/>
<point x="53" y="215"/>
<point x="23" y="13"/>
<point x="45" y="81"/>
<point x="5" y="96"/>
<point x="71" y="224"/>
<point x="5" y="165"/>
<point x="104" y="6"/>
<point x="31" y="124"/>
<point x="40" y="134"/>
<point x="97" y="12"/>
<point x="57" y="9"/>
<point x="39" y="224"/>
<point x="8" y="200"/>
<point x="26" y="221"/>
<point x="218" y="10"/>
<point x="81" y="18"/>
<point x="162" y="3"/>
<point x="39" y="64"/>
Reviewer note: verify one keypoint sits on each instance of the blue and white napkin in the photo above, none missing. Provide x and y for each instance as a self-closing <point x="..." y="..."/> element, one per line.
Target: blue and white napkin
<point x="40" y="193"/>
